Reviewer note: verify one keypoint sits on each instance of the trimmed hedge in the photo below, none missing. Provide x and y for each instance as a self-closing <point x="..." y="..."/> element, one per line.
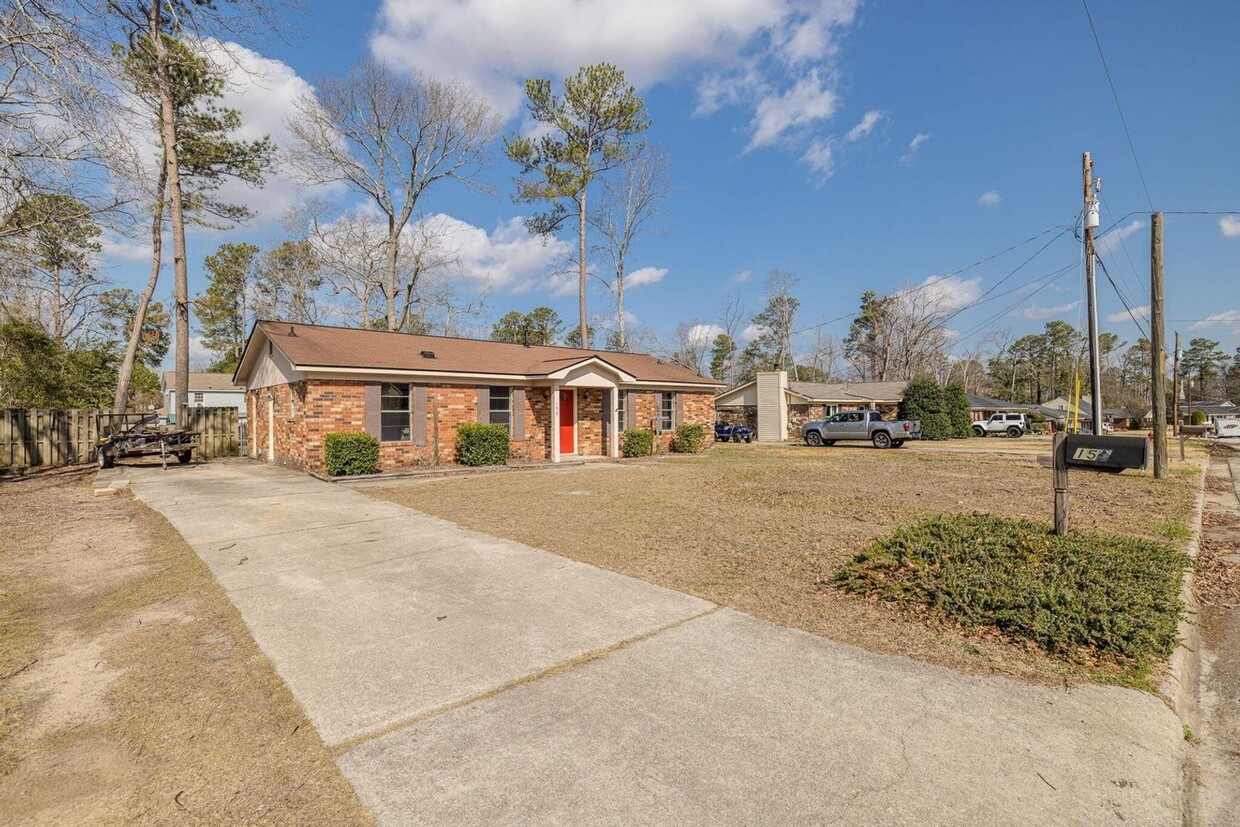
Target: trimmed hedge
<point x="637" y="442"/>
<point x="689" y="438"/>
<point x="482" y="445"/>
<point x="1082" y="594"/>
<point x="350" y="454"/>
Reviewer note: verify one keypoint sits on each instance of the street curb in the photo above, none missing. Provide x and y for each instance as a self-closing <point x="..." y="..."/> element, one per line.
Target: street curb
<point x="1179" y="688"/>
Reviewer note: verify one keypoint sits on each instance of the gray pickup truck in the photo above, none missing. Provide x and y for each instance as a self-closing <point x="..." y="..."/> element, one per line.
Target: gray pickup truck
<point x="861" y="425"/>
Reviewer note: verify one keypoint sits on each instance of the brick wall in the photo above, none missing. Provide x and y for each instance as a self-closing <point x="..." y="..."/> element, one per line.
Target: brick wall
<point x="306" y="412"/>
<point x="591" y="440"/>
<point x="287" y="420"/>
<point x="699" y="408"/>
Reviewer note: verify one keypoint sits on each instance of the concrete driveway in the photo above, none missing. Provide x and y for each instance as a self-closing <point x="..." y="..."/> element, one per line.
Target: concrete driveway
<point x="465" y="679"/>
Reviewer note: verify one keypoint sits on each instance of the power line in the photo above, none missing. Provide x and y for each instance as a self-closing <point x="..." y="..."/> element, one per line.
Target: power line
<point x="1141" y="291"/>
<point x="1049" y="280"/>
<point x="939" y="279"/>
<point x="1118" y="108"/>
<point x="1131" y="313"/>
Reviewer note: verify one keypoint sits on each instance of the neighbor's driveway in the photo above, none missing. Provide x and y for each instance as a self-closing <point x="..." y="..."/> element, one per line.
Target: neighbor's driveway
<point x="465" y="679"/>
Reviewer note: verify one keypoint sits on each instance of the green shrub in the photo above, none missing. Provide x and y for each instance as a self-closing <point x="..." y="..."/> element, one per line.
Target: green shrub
<point x="689" y="438"/>
<point x="350" y="454"/>
<point x="923" y="400"/>
<point x="482" y="445"/>
<point x="1199" y="417"/>
<point x="637" y="442"/>
<point x="1078" y="594"/>
<point x="958" y="414"/>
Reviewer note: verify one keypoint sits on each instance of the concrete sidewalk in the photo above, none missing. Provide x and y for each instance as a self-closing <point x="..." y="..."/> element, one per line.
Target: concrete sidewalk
<point x="466" y="679"/>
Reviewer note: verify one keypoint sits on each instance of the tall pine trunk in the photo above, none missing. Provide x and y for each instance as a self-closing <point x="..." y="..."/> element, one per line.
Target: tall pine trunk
<point x="125" y="377"/>
<point x="581" y="277"/>
<point x="168" y="134"/>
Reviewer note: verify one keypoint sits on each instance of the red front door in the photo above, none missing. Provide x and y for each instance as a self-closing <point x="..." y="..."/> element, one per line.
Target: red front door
<point x="568" y="422"/>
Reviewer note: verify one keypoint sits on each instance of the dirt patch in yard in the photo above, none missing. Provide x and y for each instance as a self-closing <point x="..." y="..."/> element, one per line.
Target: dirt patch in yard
<point x="764" y="529"/>
<point x="130" y="690"/>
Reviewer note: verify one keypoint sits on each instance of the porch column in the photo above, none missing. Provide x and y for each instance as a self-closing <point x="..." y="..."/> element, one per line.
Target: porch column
<point x="555" y="421"/>
<point x="616" y="402"/>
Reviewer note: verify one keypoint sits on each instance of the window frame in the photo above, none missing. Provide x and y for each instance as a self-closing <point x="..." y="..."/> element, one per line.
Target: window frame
<point x="505" y="393"/>
<point x="385" y="412"/>
<point x="622" y="413"/>
<point x="667" y="410"/>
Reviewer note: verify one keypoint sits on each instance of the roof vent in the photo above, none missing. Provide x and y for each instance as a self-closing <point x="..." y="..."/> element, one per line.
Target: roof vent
<point x="291" y="332"/>
<point x="428" y="354"/>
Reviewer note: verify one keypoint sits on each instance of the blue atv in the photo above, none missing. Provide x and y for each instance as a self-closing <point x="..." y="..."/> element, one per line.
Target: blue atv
<point x="736" y="433"/>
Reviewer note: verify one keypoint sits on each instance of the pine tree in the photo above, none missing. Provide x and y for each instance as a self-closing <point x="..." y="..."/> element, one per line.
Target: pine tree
<point x="958" y="411"/>
<point x="222" y="307"/>
<point x="924" y="400"/>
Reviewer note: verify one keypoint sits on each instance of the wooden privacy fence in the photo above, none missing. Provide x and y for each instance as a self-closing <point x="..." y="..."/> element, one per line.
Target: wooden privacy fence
<point x="34" y="437"/>
<point x="219" y="432"/>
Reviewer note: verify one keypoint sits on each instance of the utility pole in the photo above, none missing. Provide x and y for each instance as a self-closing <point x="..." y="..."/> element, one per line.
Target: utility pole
<point x="1089" y="224"/>
<point x="1175" y="388"/>
<point x="1158" y="356"/>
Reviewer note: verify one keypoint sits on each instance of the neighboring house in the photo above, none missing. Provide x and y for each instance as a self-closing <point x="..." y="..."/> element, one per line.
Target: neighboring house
<point x="1059" y="410"/>
<point x="777" y="406"/>
<point x="1217" y="413"/>
<point x="982" y="408"/>
<point x="303" y="382"/>
<point x="206" y="390"/>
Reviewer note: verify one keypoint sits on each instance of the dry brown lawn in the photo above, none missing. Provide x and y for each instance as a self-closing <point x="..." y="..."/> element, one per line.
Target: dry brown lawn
<point x="762" y="529"/>
<point x="130" y="690"/>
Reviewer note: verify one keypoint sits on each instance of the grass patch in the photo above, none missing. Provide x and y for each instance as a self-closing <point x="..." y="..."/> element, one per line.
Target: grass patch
<point x="1083" y="595"/>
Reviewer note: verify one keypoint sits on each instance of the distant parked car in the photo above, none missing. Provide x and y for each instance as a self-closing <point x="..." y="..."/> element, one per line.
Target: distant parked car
<point x="734" y="433"/>
<point x="1012" y="424"/>
<point x="861" y="425"/>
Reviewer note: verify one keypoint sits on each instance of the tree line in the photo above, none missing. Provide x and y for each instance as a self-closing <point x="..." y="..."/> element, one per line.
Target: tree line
<point x="132" y="91"/>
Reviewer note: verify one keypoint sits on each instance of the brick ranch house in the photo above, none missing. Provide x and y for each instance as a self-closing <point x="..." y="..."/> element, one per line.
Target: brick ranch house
<point x="303" y="382"/>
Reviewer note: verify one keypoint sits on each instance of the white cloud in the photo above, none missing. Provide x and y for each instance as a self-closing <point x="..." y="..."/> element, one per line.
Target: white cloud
<point x="121" y="249"/>
<point x="990" y="198"/>
<point x="1037" y="312"/>
<point x="1229" y="226"/>
<point x="751" y="332"/>
<point x="704" y="334"/>
<point x="820" y="158"/>
<point x="1111" y="242"/>
<point x="865" y="126"/>
<point x="778" y="56"/>
<point x="1227" y="317"/>
<point x="949" y="292"/>
<point x="810" y="99"/>
<point x="263" y="91"/>
<point x="1141" y="312"/>
<point x="918" y="139"/>
<point x="741" y="277"/>
<point x="645" y="275"/>
<point x="509" y="258"/>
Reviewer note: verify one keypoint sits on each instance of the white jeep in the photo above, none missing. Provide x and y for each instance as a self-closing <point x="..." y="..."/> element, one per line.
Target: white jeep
<point x="1012" y="424"/>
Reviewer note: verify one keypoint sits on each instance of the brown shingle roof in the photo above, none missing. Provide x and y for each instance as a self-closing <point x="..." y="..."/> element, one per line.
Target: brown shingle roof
<point x="340" y="347"/>
<point x="203" y="381"/>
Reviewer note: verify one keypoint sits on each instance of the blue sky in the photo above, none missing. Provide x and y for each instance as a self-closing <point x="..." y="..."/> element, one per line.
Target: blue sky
<point x="793" y="130"/>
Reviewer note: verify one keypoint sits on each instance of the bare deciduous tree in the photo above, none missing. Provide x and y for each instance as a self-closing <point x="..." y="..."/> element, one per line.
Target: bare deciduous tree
<point x="628" y="209"/>
<point x="391" y="138"/>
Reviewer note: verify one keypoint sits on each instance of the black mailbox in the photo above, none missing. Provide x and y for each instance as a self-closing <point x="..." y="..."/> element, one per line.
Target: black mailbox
<point x="1105" y="453"/>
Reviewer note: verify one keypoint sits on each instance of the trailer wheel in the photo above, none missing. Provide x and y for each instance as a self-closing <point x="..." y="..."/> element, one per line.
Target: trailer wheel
<point x="184" y="457"/>
<point x="105" y="459"/>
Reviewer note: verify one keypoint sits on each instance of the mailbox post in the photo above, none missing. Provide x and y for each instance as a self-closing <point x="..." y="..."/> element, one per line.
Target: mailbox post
<point x="1098" y="453"/>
